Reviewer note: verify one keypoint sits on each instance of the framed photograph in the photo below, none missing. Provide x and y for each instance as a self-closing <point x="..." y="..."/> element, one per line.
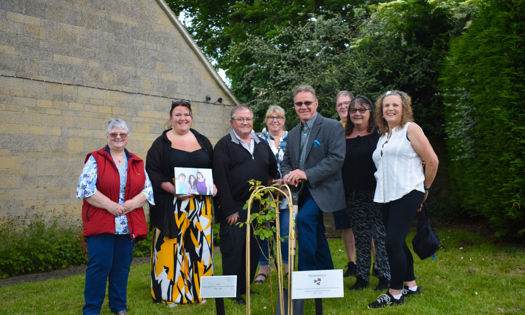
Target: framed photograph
<point x="193" y="181"/>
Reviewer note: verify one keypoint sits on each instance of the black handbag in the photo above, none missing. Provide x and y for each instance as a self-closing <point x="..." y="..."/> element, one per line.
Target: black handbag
<point x="426" y="241"/>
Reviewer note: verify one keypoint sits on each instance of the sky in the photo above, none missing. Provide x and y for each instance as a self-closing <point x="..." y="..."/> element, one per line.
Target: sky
<point x="186" y="21"/>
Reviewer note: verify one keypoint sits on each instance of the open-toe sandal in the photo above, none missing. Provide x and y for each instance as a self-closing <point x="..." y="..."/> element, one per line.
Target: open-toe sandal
<point x="260" y="281"/>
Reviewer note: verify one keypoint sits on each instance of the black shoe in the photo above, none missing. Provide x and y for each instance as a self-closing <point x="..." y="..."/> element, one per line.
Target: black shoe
<point x="383" y="285"/>
<point x="386" y="300"/>
<point x="240" y="300"/>
<point x="360" y="284"/>
<point x="407" y="292"/>
<point x="352" y="268"/>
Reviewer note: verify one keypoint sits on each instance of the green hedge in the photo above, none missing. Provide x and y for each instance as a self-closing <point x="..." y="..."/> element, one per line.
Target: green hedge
<point x="483" y="90"/>
<point x="35" y="243"/>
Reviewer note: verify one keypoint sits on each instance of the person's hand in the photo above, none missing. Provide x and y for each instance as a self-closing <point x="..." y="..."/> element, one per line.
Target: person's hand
<point x="424" y="199"/>
<point x="129" y="206"/>
<point x="278" y="181"/>
<point x="184" y="197"/>
<point x="294" y="177"/>
<point x="232" y="219"/>
<point x="214" y="190"/>
<point x="116" y="209"/>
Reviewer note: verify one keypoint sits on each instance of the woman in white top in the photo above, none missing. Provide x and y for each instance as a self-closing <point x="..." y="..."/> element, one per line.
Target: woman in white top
<point x="402" y="186"/>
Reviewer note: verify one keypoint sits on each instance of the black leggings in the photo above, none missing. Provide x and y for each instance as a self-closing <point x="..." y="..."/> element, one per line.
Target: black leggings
<point x="397" y="218"/>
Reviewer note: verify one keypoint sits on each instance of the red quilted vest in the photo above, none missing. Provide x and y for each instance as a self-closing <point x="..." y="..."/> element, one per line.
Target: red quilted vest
<point x="98" y="221"/>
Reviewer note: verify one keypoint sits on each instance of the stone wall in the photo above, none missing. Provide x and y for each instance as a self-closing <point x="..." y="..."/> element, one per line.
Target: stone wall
<point x="67" y="67"/>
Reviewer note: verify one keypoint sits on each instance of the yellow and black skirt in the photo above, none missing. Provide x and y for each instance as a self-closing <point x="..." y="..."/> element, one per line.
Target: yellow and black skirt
<point x="177" y="264"/>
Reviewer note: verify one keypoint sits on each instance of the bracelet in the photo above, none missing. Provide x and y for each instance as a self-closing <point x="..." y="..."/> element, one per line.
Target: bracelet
<point x="427" y="188"/>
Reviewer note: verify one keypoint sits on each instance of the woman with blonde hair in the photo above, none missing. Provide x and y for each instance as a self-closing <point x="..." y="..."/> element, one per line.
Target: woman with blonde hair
<point x="276" y="137"/>
<point x="402" y="187"/>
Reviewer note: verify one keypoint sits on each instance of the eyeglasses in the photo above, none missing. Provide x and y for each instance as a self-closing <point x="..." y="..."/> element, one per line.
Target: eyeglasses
<point x="299" y="104"/>
<point x="116" y="134"/>
<point x="275" y="118"/>
<point x="241" y="120"/>
<point x="355" y="110"/>
<point x="343" y="103"/>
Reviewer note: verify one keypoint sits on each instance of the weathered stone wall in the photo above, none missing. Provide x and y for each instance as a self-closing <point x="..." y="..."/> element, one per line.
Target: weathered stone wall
<point x="67" y="67"/>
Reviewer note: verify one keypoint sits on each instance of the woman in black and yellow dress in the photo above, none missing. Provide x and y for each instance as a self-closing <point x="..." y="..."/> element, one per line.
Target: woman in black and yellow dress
<point x="182" y="235"/>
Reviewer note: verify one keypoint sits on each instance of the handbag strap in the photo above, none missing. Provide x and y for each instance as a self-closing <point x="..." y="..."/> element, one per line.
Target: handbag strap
<point x="425" y="211"/>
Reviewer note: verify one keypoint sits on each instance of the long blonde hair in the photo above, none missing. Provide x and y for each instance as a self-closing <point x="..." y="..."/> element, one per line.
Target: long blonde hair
<point x="406" y="102"/>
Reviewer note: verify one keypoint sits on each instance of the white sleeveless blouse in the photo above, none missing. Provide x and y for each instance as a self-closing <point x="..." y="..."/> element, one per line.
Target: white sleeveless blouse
<point x="399" y="168"/>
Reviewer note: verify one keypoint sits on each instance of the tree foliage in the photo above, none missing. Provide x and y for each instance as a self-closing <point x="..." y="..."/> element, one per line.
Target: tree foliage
<point x="215" y="25"/>
<point x="395" y="45"/>
<point x="483" y="88"/>
<point x="269" y="47"/>
<point x="314" y="53"/>
<point x="400" y="47"/>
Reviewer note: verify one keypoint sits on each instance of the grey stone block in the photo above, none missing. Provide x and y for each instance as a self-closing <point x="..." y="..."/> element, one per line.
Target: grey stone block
<point x="11" y="62"/>
<point x="17" y="143"/>
<point x="18" y="6"/>
<point x="36" y="9"/>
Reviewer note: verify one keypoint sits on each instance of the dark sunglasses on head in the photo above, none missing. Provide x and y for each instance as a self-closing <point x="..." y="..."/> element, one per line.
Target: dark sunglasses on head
<point x="180" y="101"/>
<point x="307" y="103"/>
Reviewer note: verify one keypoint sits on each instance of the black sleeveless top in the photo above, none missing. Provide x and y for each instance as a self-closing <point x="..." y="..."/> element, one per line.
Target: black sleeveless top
<point x="359" y="168"/>
<point x="196" y="159"/>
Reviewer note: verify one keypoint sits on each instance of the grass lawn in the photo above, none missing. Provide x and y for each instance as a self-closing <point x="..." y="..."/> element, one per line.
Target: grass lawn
<point x="469" y="276"/>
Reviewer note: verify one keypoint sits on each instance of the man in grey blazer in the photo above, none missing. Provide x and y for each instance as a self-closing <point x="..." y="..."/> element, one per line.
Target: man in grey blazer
<point x="314" y="154"/>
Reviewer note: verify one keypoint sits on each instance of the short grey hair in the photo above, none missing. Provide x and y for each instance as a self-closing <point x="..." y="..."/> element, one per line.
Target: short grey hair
<point x="344" y="93"/>
<point x="116" y="123"/>
<point x="239" y="107"/>
<point x="305" y="88"/>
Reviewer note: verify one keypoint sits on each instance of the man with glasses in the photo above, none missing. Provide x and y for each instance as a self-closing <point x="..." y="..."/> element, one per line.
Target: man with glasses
<point x="341" y="221"/>
<point x="342" y="103"/>
<point x="239" y="157"/>
<point x="314" y="154"/>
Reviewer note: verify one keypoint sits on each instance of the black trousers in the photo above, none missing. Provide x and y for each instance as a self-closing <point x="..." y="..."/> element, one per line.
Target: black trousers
<point x="233" y="250"/>
<point x="397" y="218"/>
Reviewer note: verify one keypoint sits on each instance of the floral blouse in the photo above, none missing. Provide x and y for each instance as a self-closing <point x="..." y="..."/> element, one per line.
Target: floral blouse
<point x="87" y="186"/>
<point x="279" y="155"/>
<point x="277" y="151"/>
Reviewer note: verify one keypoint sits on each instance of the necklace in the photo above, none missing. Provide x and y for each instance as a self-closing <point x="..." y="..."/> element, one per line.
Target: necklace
<point x="119" y="158"/>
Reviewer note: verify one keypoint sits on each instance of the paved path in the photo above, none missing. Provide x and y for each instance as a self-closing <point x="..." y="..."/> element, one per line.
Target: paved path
<point x="68" y="272"/>
<point x="58" y="274"/>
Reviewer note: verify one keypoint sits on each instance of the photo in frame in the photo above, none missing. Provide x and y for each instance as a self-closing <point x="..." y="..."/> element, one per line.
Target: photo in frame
<point x="193" y="181"/>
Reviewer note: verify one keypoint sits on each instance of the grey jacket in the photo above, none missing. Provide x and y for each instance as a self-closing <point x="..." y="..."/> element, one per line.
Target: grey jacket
<point x="323" y="161"/>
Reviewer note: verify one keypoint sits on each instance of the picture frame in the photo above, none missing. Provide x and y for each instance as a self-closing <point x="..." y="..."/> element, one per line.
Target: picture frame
<point x="193" y="181"/>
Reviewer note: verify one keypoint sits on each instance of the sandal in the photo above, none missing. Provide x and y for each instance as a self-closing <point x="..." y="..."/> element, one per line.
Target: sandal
<point x="260" y="281"/>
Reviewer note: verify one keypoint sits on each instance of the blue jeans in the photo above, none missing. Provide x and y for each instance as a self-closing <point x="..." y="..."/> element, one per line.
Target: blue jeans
<point x="314" y="252"/>
<point x="284" y="222"/>
<point x="109" y="256"/>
